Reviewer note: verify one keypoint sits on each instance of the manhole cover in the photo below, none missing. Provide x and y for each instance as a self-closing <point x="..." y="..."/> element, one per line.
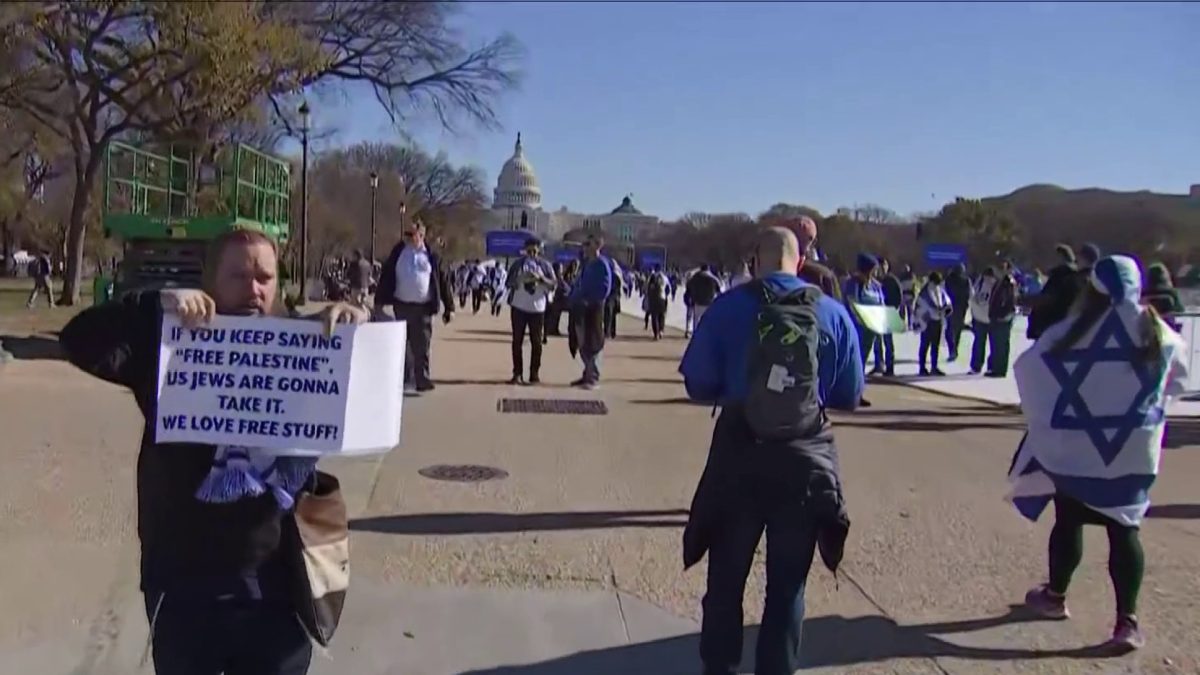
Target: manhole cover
<point x="553" y="406"/>
<point x="463" y="473"/>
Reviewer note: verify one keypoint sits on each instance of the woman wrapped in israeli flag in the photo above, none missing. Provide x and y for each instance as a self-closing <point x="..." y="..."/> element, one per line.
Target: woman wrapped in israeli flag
<point x="1093" y="390"/>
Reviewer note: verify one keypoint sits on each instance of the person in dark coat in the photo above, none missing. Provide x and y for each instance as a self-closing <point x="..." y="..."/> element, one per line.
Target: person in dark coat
<point x="958" y="287"/>
<point x="412" y="282"/>
<point x="588" y="297"/>
<point x="215" y="573"/>
<point x="790" y="489"/>
<point x="1162" y="295"/>
<point x="1063" y="285"/>
<point x="893" y="296"/>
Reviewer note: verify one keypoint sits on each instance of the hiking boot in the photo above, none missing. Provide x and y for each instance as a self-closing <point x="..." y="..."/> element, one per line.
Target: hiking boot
<point x="1047" y="604"/>
<point x="937" y="373"/>
<point x="923" y="372"/>
<point x="534" y="380"/>
<point x="1127" y="636"/>
<point x="516" y="380"/>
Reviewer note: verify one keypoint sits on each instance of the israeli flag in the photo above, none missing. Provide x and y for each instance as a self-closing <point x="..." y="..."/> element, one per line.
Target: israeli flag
<point x="1095" y="412"/>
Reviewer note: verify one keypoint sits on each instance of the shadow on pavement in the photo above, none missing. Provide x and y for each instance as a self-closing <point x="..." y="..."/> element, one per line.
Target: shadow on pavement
<point x="1174" y="511"/>
<point x="491" y="523"/>
<point x="477" y="339"/>
<point x="648" y="357"/>
<point x="966" y="411"/>
<point x="643" y="380"/>
<point x="828" y="641"/>
<point x="922" y="425"/>
<point x="487" y="331"/>
<point x="680" y="400"/>
<point x="33" y="347"/>
<point x="1181" y="433"/>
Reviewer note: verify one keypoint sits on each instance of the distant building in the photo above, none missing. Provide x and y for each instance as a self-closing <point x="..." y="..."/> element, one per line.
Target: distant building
<point x="517" y="205"/>
<point x="1194" y="193"/>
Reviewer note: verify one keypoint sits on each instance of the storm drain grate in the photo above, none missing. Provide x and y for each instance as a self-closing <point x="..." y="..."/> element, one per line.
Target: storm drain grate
<point x="552" y="406"/>
<point x="463" y="473"/>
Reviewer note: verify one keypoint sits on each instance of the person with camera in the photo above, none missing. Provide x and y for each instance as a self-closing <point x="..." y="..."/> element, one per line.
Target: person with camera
<point x="531" y="283"/>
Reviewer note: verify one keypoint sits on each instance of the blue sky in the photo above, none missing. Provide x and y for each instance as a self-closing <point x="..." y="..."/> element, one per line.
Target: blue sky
<point x="735" y="106"/>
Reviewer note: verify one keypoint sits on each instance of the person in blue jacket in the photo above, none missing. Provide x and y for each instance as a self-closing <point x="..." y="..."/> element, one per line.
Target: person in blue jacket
<point x="862" y="288"/>
<point x="587" y="300"/>
<point x="790" y="489"/>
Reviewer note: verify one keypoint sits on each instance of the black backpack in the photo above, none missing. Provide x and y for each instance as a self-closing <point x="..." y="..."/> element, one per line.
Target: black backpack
<point x="782" y="398"/>
<point x="654" y="287"/>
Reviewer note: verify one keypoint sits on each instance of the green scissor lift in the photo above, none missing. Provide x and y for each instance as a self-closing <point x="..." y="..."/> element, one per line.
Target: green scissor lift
<point x="165" y="205"/>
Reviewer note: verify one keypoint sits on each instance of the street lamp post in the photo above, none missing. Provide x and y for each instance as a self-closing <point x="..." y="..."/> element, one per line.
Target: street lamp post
<point x="374" y="192"/>
<point x="304" y="120"/>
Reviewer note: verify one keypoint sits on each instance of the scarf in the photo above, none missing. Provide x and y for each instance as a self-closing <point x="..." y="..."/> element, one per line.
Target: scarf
<point x="238" y="472"/>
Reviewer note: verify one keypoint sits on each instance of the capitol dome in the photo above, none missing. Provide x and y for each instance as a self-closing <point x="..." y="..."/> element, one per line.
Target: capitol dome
<point x="517" y="186"/>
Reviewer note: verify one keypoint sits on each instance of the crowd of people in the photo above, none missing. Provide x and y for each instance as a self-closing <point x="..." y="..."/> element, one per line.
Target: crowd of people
<point x="774" y="345"/>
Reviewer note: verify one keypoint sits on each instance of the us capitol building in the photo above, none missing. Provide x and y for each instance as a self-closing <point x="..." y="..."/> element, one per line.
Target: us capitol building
<point x="517" y="205"/>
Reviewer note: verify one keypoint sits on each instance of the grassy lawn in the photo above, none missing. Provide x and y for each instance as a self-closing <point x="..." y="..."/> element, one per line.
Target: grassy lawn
<point x="16" y="319"/>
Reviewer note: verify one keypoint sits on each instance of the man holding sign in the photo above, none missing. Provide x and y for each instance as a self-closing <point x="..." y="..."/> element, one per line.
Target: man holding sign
<point x="210" y="518"/>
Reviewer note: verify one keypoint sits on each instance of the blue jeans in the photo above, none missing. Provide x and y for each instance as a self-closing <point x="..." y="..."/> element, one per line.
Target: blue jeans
<point x="770" y="500"/>
<point x="591" y="367"/>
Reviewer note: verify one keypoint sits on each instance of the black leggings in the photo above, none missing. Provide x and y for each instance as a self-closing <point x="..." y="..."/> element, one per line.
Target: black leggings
<point x="931" y="339"/>
<point x="1126" y="561"/>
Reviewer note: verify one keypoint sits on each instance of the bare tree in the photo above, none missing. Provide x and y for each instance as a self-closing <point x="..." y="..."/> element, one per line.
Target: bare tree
<point x="90" y="72"/>
<point x="407" y="53"/>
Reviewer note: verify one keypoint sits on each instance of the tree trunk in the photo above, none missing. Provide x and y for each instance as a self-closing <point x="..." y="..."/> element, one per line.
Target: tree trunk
<point x="5" y="249"/>
<point x="77" y="228"/>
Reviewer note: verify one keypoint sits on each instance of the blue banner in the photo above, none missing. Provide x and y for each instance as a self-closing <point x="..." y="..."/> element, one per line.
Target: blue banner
<point x="945" y="255"/>
<point x="506" y="243"/>
<point x="648" y="257"/>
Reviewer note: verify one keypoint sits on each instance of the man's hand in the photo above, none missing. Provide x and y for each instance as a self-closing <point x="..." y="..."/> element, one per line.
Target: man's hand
<point x="193" y="307"/>
<point x="342" y="312"/>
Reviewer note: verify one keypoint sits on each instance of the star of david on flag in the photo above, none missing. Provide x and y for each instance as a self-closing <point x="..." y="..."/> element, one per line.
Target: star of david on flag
<point x="1108" y="433"/>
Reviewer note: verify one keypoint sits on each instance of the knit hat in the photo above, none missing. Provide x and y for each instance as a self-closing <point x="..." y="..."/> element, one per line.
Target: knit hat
<point x="866" y="262"/>
<point x="1118" y="277"/>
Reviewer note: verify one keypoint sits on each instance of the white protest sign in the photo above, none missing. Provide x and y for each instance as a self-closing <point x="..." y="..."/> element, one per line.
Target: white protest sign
<point x="281" y="384"/>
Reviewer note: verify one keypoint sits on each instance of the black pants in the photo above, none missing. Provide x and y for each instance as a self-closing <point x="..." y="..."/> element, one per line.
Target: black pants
<point x="1126" y="561"/>
<point x="225" y="638"/>
<point x="612" y="309"/>
<point x="476" y="299"/>
<point x="999" y="340"/>
<point x="554" y="320"/>
<point x="954" y="331"/>
<point x="931" y="344"/>
<point x="534" y="322"/>
<point x="765" y="499"/>
<point x="420" y="339"/>
<point x="866" y="343"/>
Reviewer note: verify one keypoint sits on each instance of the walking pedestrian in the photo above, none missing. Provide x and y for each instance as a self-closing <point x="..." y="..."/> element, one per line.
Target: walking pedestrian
<point x="929" y="314"/>
<point x="1002" y="310"/>
<point x="40" y="269"/>
<point x="214" y="577"/>
<point x="657" y="287"/>
<point x="863" y="289"/>
<point x="893" y="296"/>
<point x="1096" y="468"/>
<point x="773" y="354"/>
<point x="412" y="283"/>
<point x="702" y="289"/>
<point x="981" y="301"/>
<point x="531" y="281"/>
<point x="958" y="287"/>
<point x="587" y="310"/>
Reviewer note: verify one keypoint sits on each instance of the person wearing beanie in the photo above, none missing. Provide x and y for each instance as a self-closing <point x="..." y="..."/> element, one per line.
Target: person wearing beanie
<point x="862" y="288"/>
<point x="1097" y="469"/>
<point x="1162" y="295"/>
<point x="1064" y="283"/>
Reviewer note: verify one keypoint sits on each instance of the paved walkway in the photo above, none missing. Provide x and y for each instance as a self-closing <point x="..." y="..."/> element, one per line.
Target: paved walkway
<point x="570" y="565"/>
<point x="958" y="381"/>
